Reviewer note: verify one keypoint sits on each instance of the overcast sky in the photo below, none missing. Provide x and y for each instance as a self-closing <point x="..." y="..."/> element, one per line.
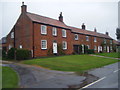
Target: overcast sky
<point x="102" y="14"/>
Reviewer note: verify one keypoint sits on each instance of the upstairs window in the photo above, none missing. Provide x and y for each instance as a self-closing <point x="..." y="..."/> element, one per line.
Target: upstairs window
<point x="64" y="33"/>
<point x="95" y="39"/>
<point x="110" y="41"/>
<point x="54" y="31"/>
<point x="43" y="44"/>
<point x="104" y="41"/>
<point x="12" y="34"/>
<point x="64" y="45"/>
<point x="76" y="36"/>
<point x="87" y="38"/>
<point x="43" y="29"/>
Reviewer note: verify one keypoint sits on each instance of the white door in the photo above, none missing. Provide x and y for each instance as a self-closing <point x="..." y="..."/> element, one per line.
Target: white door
<point x="98" y="48"/>
<point x="82" y="48"/>
<point x="107" y="48"/>
<point x="54" y="47"/>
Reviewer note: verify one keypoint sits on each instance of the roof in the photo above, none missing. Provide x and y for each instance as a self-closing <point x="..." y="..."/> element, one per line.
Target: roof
<point x="116" y="42"/>
<point x="92" y="33"/>
<point x="46" y="20"/>
<point x="54" y="22"/>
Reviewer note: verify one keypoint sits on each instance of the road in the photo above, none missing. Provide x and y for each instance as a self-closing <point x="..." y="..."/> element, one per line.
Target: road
<point x="109" y="77"/>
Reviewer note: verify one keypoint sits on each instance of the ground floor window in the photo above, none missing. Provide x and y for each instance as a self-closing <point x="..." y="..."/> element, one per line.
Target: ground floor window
<point x="43" y="44"/>
<point x="95" y="47"/>
<point x="64" y="44"/>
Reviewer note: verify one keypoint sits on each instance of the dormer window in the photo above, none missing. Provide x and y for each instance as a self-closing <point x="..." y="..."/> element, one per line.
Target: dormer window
<point x="54" y="31"/>
<point x="64" y="33"/>
<point x="76" y="36"/>
<point x="95" y="40"/>
<point x="43" y="29"/>
<point x="12" y="34"/>
<point x="87" y="38"/>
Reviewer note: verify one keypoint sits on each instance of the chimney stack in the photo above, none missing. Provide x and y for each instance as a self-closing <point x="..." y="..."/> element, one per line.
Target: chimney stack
<point x="23" y="8"/>
<point x="61" y="17"/>
<point x="95" y="30"/>
<point x="83" y="26"/>
<point x="107" y="33"/>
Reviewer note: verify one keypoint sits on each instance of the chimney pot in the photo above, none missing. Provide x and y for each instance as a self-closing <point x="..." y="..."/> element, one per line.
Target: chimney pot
<point x="83" y="26"/>
<point x="61" y="17"/>
<point x="107" y="33"/>
<point x="95" y="30"/>
<point x="23" y="8"/>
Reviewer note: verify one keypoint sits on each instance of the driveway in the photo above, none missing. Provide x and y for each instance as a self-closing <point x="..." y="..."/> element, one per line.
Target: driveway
<point x="37" y="77"/>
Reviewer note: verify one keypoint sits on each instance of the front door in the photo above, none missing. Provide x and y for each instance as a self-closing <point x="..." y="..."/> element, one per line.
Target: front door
<point x="107" y="48"/>
<point x="54" y="47"/>
<point x="76" y="49"/>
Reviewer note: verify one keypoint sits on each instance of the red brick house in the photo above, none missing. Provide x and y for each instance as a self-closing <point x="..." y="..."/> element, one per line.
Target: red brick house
<point x="41" y="34"/>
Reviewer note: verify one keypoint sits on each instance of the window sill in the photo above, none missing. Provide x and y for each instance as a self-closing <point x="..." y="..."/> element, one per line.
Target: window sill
<point x="43" y="48"/>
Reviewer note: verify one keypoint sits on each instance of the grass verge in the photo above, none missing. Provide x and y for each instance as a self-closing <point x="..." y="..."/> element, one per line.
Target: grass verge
<point x="9" y="78"/>
<point x="77" y="63"/>
<point x="114" y="54"/>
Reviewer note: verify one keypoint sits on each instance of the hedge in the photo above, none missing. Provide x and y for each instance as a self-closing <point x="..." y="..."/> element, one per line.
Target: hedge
<point x="90" y="51"/>
<point x="11" y="53"/>
<point x="23" y="54"/>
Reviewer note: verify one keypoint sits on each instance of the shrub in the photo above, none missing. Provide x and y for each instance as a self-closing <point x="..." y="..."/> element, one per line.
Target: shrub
<point x="60" y="50"/>
<point x="11" y="53"/>
<point x="4" y="54"/>
<point x="23" y="54"/>
<point x="50" y="52"/>
<point x="90" y="51"/>
<point x="80" y="49"/>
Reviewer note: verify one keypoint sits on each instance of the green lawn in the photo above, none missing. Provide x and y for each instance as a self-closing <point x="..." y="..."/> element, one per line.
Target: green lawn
<point x="77" y="63"/>
<point x="9" y="78"/>
<point x="115" y="55"/>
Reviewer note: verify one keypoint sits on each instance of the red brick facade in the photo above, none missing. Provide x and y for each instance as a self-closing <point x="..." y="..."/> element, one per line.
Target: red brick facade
<point x="27" y="35"/>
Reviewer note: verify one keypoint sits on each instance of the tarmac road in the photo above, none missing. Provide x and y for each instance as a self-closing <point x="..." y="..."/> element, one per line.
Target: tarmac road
<point x="109" y="77"/>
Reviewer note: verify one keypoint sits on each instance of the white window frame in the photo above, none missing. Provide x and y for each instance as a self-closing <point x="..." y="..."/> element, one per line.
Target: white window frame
<point x="44" y="32"/>
<point x="12" y="34"/>
<point x="87" y="38"/>
<point x="42" y="44"/>
<point x="20" y="46"/>
<point x="95" y="47"/>
<point x="88" y="46"/>
<point x="105" y="48"/>
<point x="64" y="33"/>
<point x="54" y="31"/>
<point x="110" y="41"/>
<point x="105" y="41"/>
<point x="95" y="39"/>
<point x="76" y="37"/>
<point x="111" y="48"/>
<point x="10" y="46"/>
<point x="64" y="45"/>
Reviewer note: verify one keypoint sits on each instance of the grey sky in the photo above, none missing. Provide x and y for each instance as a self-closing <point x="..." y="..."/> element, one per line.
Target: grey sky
<point x="102" y="14"/>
